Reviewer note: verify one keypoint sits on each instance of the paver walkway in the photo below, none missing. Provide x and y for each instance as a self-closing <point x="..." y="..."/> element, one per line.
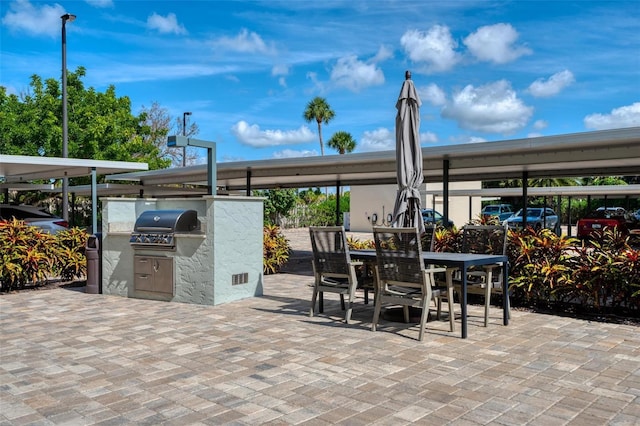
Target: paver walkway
<point x="67" y="357"/>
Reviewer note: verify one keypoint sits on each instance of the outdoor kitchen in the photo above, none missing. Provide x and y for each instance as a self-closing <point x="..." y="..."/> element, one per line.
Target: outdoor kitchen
<point x="194" y="250"/>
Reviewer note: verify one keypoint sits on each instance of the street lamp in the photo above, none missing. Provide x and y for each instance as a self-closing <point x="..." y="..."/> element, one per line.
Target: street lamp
<point x="65" y="131"/>
<point x="184" y="133"/>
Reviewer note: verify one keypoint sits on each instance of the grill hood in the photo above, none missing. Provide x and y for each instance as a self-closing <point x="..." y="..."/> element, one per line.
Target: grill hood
<point x="156" y="221"/>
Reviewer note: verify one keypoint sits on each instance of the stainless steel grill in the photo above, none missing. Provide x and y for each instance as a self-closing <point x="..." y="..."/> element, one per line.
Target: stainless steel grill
<point x="157" y="228"/>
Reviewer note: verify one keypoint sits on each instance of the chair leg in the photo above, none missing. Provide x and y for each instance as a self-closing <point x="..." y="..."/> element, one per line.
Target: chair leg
<point x="376" y="313"/>
<point x="347" y="316"/>
<point x="487" y="297"/>
<point x="423" y="318"/>
<point x="405" y="311"/>
<point x="452" y="314"/>
<point x="313" y="301"/>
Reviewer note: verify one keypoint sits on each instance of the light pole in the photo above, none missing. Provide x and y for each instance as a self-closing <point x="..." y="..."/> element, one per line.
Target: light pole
<point x="65" y="130"/>
<point x="184" y="133"/>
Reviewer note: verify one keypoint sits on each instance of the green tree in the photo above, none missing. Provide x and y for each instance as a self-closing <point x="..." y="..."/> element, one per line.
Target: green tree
<point x="101" y="125"/>
<point x="342" y="142"/>
<point x="277" y="204"/>
<point x="319" y="110"/>
<point x="605" y="180"/>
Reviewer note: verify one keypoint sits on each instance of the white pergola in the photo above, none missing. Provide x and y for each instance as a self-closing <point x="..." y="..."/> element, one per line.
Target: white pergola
<point x="600" y="153"/>
<point x="16" y="171"/>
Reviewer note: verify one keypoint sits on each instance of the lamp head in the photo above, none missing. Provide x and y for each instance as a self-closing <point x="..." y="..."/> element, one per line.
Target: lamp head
<point x="68" y="17"/>
<point x="173" y="141"/>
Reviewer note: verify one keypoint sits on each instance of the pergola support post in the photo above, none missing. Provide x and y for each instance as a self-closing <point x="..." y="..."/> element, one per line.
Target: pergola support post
<point x="445" y="191"/>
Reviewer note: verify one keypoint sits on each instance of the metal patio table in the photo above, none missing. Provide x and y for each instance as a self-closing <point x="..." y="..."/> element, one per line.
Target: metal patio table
<point x="462" y="261"/>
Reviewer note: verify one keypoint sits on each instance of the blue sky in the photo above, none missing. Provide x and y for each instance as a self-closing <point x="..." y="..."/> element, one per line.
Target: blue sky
<point x="485" y="70"/>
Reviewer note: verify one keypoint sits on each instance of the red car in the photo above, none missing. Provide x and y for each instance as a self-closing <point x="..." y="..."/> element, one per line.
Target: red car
<point x="597" y="220"/>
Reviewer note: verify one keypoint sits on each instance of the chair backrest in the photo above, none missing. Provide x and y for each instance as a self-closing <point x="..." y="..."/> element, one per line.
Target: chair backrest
<point x="330" y="250"/>
<point x="484" y="239"/>
<point x="429" y="237"/>
<point x="399" y="256"/>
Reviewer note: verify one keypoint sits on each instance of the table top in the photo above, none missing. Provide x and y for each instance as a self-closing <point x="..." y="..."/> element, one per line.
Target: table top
<point x="442" y="258"/>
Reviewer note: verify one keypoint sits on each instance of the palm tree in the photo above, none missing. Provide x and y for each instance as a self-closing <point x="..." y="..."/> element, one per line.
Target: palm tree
<point x="342" y="142"/>
<point x="318" y="109"/>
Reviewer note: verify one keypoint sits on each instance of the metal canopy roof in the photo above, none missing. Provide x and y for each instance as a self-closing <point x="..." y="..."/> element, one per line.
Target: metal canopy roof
<point x="23" y="168"/>
<point x="606" y="153"/>
<point x="611" y="191"/>
<point x="112" y="189"/>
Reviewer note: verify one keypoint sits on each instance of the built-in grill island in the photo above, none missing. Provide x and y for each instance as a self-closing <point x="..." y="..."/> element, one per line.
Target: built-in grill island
<point x="194" y="250"/>
<point x="156" y="230"/>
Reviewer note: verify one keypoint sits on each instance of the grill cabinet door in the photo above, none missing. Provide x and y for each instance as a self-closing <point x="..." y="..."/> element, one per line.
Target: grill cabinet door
<point x="153" y="274"/>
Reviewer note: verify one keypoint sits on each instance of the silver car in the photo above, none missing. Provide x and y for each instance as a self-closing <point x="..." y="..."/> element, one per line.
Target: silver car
<point x="537" y="218"/>
<point x="34" y="216"/>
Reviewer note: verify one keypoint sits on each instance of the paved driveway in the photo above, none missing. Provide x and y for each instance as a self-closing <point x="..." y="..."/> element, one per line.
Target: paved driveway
<point x="67" y="357"/>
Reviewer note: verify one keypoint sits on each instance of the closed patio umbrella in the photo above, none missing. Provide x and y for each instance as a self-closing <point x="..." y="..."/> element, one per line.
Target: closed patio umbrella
<point x="407" y="211"/>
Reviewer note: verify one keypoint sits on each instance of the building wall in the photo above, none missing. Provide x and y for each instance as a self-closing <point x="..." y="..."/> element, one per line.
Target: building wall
<point x="461" y="209"/>
<point x="377" y="201"/>
<point x="229" y="243"/>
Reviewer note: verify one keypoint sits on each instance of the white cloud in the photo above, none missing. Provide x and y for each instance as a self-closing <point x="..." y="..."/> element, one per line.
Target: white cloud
<point x="540" y="124"/>
<point x="436" y="47"/>
<point x="428" y="137"/>
<point x="432" y="94"/>
<point x="383" y="139"/>
<point x="251" y="135"/>
<point x="552" y="86"/>
<point x="492" y="108"/>
<point x="100" y="3"/>
<point x="33" y="20"/>
<point x="318" y="86"/>
<point x="231" y="158"/>
<point x="476" y="139"/>
<point x="245" y="42"/>
<point x="383" y="54"/>
<point x="460" y="139"/>
<point x="355" y="75"/>
<point x="495" y="43"/>
<point x="377" y="140"/>
<point x="625" y="116"/>
<point x="291" y="153"/>
<point x="165" y="24"/>
<point x="280" y="69"/>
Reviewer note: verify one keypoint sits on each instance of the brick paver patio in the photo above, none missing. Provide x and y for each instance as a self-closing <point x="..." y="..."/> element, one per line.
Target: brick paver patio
<point x="67" y="357"/>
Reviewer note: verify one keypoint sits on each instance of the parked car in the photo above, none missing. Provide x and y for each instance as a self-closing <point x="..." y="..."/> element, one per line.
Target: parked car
<point x="34" y="216"/>
<point x="430" y="216"/>
<point x="502" y="211"/>
<point x="600" y="218"/>
<point x="537" y="218"/>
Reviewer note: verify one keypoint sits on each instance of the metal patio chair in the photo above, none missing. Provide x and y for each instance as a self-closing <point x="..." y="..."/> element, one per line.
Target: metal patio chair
<point x="402" y="278"/>
<point x="483" y="239"/>
<point x="333" y="269"/>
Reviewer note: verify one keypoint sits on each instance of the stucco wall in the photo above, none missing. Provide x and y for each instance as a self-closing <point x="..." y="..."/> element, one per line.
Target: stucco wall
<point x="229" y="242"/>
<point x="380" y="199"/>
